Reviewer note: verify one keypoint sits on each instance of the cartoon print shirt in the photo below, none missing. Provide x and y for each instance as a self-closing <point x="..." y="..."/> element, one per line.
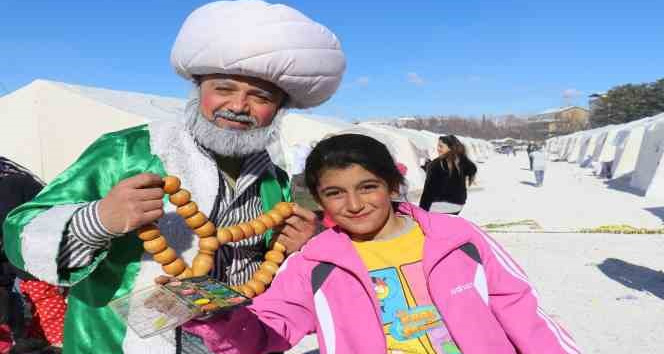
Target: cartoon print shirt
<point x="410" y="321"/>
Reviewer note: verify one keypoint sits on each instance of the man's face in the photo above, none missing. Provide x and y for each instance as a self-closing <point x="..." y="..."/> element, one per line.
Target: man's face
<point x="243" y="95"/>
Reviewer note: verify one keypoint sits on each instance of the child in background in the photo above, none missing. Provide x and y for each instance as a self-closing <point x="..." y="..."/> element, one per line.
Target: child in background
<point x="388" y="278"/>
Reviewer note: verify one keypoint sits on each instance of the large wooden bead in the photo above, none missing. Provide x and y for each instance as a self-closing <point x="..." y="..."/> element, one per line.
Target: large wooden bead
<point x="267" y="221"/>
<point x="247" y="230"/>
<point x="166" y="256"/>
<point x="274" y="256"/>
<point x="206" y="230"/>
<point x="256" y="286"/>
<point x="155" y="246"/>
<point x="187" y="210"/>
<point x="180" y="198"/>
<point x="284" y="209"/>
<point x="208" y="244"/>
<point x="196" y="220"/>
<point x="224" y="236"/>
<point x="237" y="233"/>
<point x="263" y="276"/>
<point x="247" y="291"/>
<point x="258" y="226"/>
<point x="270" y="267"/>
<point x="186" y="274"/>
<point x="171" y="184"/>
<point x="274" y="215"/>
<point x="279" y="247"/>
<point x="174" y="268"/>
<point x="148" y="232"/>
<point x="202" y="264"/>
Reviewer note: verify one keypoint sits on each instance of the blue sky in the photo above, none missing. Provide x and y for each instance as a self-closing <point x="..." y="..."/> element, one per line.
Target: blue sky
<point x="404" y="57"/>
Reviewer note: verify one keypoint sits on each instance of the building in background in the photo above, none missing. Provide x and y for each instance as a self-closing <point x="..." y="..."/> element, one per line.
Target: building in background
<point x="559" y="121"/>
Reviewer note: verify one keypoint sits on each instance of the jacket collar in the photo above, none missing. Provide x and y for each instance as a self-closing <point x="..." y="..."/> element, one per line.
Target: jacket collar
<point x="334" y="246"/>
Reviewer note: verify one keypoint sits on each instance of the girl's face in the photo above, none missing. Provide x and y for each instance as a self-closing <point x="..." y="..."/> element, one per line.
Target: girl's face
<point x="358" y="201"/>
<point x="442" y="148"/>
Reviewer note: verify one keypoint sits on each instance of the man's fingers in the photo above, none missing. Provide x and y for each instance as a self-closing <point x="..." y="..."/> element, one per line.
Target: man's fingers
<point x="163" y="279"/>
<point x="143" y="180"/>
<point x="152" y="205"/>
<point x="150" y="194"/>
<point x="152" y="215"/>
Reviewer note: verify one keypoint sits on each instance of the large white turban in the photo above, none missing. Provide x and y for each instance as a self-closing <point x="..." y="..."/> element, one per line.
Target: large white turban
<point x="272" y="42"/>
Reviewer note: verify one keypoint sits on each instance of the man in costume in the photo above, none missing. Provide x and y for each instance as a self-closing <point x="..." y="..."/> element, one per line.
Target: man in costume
<point x="250" y="61"/>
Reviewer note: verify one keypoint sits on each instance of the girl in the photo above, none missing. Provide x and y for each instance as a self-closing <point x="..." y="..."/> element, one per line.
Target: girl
<point x="445" y="185"/>
<point x="388" y="278"/>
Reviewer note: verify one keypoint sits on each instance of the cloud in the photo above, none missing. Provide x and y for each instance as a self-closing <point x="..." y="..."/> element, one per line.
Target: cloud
<point x="413" y="78"/>
<point x="474" y="78"/>
<point x="572" y="93"/>
<point x="362" y="81"/>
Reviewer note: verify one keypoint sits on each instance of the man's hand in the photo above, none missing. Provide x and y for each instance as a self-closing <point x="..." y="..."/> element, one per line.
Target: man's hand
<point x="132" y="203"/>
<point x="297" y="230"/>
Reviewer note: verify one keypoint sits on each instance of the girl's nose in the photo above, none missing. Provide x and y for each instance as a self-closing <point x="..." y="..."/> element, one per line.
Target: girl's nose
<point x="355" y="203"/>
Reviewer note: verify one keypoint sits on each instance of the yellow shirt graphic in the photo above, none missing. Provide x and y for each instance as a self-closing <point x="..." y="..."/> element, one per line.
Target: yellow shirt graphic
<point x="410" y="321"/>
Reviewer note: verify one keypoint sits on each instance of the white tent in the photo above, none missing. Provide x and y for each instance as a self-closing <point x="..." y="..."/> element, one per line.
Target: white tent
<point x="300" y="133"/>
<point x="628" y="144"/>
<point x="46" y="125"/>
<point x="404" y="151"/>
<point x="648" y="175"/>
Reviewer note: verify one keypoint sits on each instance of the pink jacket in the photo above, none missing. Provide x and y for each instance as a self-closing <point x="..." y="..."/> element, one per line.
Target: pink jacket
<point x="488" y="307"/>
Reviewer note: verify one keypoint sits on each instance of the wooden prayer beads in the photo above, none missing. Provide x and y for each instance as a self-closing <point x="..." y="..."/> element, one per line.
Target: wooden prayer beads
<point x="155" y="244"/>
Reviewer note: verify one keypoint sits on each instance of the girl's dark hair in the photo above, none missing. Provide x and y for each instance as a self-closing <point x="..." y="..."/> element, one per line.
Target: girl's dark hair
<point x="456" y="158"/>
<point x="341" y="151"/>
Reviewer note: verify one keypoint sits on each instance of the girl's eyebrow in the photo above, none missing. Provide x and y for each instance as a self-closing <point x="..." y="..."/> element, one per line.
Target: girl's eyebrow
<point x="364" y="181"/>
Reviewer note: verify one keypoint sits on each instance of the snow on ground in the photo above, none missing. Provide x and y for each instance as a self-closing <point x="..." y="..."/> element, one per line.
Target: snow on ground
<point x="606" y="289"/>
<point x="570" y="198"/>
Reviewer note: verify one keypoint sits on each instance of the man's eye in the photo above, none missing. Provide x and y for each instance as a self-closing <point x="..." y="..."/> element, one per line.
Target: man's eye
<point x="263" y="99"/>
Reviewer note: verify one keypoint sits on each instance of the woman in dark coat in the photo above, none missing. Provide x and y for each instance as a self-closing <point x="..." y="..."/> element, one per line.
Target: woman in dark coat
<point x="448" y="177"/>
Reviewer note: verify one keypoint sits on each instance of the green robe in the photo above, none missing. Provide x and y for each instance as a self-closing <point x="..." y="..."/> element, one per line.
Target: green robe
<point x="33" y="232"/>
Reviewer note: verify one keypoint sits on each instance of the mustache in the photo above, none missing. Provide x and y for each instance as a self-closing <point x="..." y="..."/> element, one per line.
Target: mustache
<point x="236" y="117"/>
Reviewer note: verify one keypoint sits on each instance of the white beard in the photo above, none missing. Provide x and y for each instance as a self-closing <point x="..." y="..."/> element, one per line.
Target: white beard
<point x="230" y="142"/>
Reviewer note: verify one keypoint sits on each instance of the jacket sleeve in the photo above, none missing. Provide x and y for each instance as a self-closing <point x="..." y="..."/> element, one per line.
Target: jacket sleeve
<point x="514" y="302"/>
<point x="33" y="233"/>
<point x="275" y="322"/>
<point x="431" y="185"/>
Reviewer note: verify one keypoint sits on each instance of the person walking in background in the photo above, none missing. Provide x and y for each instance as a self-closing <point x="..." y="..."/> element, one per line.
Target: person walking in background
<point x="529" y="149"/>
<point x="539" y="165"/>
<point x="448" y="177"/>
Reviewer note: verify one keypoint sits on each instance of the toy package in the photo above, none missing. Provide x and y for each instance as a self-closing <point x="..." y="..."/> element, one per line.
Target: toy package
<point x="160" y="308"/>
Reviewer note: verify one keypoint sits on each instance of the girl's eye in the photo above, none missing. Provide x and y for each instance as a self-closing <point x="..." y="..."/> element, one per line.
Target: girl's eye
<point x="369" y="187"/>
<point x="332" y="194"/>
<point x="222" y="89"/>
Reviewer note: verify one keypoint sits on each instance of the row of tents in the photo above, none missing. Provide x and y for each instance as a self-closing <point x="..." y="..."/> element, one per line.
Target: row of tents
<point x="632" y="153"/>
<point x="46" y="125"/>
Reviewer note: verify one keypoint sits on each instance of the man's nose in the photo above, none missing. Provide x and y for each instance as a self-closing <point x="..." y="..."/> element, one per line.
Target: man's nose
<point x="238" y="103"/>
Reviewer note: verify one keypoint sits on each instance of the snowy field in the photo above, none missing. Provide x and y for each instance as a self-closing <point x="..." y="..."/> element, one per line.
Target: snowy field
<point x="606" y="289"/>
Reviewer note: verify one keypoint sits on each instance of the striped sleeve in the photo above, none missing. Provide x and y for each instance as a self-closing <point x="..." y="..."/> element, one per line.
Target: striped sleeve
<point x="85" y="236"/>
